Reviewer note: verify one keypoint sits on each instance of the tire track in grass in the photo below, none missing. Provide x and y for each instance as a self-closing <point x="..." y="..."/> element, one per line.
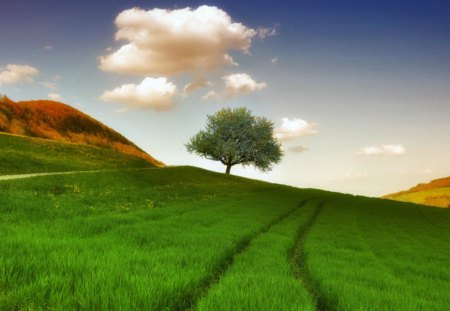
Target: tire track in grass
<point x="298" y="262"/>
<point x="190" y="300"/>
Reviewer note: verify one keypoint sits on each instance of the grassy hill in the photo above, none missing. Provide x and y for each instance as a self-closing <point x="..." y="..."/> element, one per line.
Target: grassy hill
<point x="57" y="121"/>
<point x="23" y="155"/>
<point x="182" y="238"/>
<point x="435" y="193"/>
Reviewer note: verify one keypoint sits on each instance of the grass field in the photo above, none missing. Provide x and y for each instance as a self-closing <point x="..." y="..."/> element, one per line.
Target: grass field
<point x="182" y="238"/>
<point x="21" y="155"/>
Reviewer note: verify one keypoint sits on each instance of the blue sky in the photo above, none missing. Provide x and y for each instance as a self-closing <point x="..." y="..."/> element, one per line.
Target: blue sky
<point x="369" y="79"/>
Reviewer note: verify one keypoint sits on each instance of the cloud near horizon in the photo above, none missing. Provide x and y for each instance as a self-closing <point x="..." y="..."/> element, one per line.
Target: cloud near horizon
<point x="383" y="150"/>
<point x="296" y="128"/>
<point x="152" y="93"/>
<point x="55" y="97"/>
<point x="168" y="42"/>
<point x="13" y="74"/>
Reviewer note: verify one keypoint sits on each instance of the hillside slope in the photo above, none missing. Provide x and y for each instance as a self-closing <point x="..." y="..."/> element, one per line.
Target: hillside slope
<point x="182" y="238"/>
<point x="25" y="155"/>
<point x="435" y="193"/>
<point x="57" y="121"/>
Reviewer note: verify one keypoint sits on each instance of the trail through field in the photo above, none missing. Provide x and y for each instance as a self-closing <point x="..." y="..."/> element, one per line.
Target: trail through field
<point x="298" y="261"/>
<point x="245" y="284"/>
<point x="21" y="176"/>
<point x="190" y="301"/>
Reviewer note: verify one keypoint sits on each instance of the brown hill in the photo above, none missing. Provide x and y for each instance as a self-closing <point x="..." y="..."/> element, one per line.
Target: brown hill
<point x="435" y="193"/>
<point x="57" y="121"/>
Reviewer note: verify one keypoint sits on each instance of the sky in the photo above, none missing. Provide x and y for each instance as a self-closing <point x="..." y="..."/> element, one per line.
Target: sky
<point x="359" y="91"/>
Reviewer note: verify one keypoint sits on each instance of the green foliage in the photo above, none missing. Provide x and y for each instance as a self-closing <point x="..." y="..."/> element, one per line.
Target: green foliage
<point x="235" y="136"/>
<point x="22" y="155"/>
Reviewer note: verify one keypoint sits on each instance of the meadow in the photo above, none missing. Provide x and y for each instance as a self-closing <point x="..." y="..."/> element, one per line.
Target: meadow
<point x="183" y="238"/>
<point x="21" y="155"/>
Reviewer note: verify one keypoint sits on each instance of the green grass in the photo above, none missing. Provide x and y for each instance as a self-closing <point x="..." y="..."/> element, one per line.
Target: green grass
<point x="73" y="241"/>
<point x="262" y="278"/>
<point x="181" y="238"/>
<point x="23" y="155"/>
<point x="368" y="254"/>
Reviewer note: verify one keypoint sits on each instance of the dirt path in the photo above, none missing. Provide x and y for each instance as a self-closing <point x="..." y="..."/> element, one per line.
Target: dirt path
<point x="21" y="176"/>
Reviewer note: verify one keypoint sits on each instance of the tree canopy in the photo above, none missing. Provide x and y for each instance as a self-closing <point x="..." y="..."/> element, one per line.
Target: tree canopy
<point x="235" y="136"/>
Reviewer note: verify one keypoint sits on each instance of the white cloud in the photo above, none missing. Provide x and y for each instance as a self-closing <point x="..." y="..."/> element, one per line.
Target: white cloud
<point x="151" y="93"/>
<point x="48" y="47"/>
<point x="241" y="83"/>
<point x="17" y="73"/>
<point x="48" y="85"/>
<point x="297" y="149"/>
<point x="274" y="60"/>
<point x="55" y="97"/>
<point x="211" y="95"/>
<point x="195" y="85"/>
<point x="264" y="32"/>
<point x="167" y="42"/>
<point x="292" y="129"/>
<point x="383" y="150"/>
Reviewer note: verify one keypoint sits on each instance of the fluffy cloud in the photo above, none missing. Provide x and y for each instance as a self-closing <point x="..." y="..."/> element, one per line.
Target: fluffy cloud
<point x="17" y="73"/>
<point x="297" y="149"/>
<point x="151" y="93"/>
<point x="241" y="83"/>
<point x="167" y="42"/>
<point x="195" y="85"/>
<point x="295" y="128"/>
<point x="383" y="150"/>
<point x="55" y="97"/>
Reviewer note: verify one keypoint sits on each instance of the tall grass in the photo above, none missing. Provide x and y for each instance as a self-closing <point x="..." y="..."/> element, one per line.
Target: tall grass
<point x="261" y="278"/>
<point x="57" y="252"/>
<point x="368" y="254"/>
<point x="179" y="238"/>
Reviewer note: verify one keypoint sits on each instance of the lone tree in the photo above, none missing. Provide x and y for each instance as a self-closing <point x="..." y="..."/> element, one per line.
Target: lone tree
<point x="235" y="136"/>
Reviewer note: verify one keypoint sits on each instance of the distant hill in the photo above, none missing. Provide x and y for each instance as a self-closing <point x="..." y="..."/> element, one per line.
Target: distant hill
<point x="57" y="121"/>
<point x="434" y="193"/>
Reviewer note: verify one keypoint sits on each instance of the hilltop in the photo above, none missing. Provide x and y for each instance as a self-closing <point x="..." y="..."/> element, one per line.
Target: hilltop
<point x="57" y="121"/>
<point x="435" y="193"/>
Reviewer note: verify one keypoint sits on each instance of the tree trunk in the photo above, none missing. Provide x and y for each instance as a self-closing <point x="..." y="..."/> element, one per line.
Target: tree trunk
<point x="228" y="169"/>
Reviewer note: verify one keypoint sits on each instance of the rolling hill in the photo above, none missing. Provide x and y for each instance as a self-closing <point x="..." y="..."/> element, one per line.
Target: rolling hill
<point x="435" y="193"/>
<point x="183" y="238"/>
<point x="28" y="155"/>
<point x="57" y="121"/>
